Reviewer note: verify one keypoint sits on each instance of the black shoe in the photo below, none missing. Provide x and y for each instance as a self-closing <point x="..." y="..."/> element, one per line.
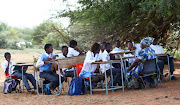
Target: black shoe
<point x="30" y="91"/>
<point x="173" y="78"/>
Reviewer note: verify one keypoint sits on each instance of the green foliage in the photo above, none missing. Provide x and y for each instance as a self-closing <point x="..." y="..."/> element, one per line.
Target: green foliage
<point x="108" y="20"/>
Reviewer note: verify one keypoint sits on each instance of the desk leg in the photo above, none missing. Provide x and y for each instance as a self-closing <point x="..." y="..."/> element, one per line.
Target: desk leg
<point x="111" y="74"/>
<point x="90" y="82"/>
<point x="169" y="68"/>
<point x="106" y="80"/>
<point x="22" y="78"/>
<point x="60" y="89"/>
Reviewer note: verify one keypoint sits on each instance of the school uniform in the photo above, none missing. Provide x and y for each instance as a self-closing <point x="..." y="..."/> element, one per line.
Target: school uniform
<point x="18" y="74"/>
<point x="119" y="50"/>
<point x="72" y="52"/>
<point x="116" y="72"/>
<point x="159" y="50"/>
<point x="46" y="72"/>
<point x="87" y="66"/>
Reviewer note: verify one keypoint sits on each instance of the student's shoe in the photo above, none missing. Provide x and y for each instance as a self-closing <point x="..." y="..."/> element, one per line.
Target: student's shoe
<point x="30" y="91"/>
<point x="173" y="78"/>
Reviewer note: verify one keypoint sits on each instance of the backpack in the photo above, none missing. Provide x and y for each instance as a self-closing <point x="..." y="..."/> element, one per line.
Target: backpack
<point x="10" y="85"/>
<point x="77" y="87"/>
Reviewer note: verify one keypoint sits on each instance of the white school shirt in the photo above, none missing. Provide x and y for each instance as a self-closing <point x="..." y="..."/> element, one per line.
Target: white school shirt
<point x="11" y="67"/>
<point x="105" y="58"/>
<point x="119" y="50"/>
<point x="158" y="49"/>
<point x="72" y="52"/>
<point x="131" y="60"/>
<point x="138" y="48"/>
<point x="87" y="66"/>
<point x="40" y="61"/>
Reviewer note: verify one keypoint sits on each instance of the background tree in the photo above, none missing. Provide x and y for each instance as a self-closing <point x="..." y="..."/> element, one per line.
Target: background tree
<point x="108" y="20"/>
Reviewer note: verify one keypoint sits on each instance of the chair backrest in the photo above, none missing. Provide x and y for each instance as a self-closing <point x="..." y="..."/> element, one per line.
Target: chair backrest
<point x="78" y="69"/>
<point x="149" y="66"/>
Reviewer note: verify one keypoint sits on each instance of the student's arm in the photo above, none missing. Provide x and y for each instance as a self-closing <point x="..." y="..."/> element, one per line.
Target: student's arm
<point x="134" y="64"/>
<point x="4" y="67"/>
<point x="77" y="49"/>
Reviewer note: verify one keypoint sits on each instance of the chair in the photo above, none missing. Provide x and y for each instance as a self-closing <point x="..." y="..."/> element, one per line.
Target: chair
<point x="149" y="69"/>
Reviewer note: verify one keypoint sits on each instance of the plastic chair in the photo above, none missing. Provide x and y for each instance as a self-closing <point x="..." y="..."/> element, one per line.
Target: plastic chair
<point x="149" y="69"/>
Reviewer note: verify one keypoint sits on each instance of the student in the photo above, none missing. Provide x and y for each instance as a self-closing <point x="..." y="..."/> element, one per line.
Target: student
<point x="117" y="46"/>
<point x="130" y="48"/>
<point x="91" y="56"/>
<point x="136" y="68"/>
<point x="106" y="67"/>
<point x="7" y="66"/>
<point x="45" y="67"/>
<point x="159" y="50"/>
<point x="73" y="50"/>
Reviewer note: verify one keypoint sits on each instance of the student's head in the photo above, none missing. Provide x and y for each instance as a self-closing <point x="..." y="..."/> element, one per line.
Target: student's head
<point x="64" y="50"/>
<point x="129" y="44"/>
<point x="155" y="41"/>
<point x="48" y="48"/>
<point x="117" y="43"/>
<point x="95" y="48"/>
<point x="7" y="56"/>
<point x="103" y="46"/>
<point x="72" y="43"/>
<point x="108" y="47"/>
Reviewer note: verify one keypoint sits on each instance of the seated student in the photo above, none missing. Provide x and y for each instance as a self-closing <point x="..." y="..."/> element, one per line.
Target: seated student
<point x="159" y="50"/>
<point x="115" y="71"/>
<point x="7" y="66"/>
<point x="91" y="56"/>
<point x="73" y="50"/>
<point x="63" y="55"/>
<point x="130" y="48"/>
<point x="45" y="67"/>
<point x="136" y="68"/>
<point x="102" y="48"/>
<point x="117" y="46"/>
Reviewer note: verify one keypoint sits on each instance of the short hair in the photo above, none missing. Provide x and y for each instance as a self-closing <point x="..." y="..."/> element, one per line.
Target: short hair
<point x="63" y="47"/>
<point x="72" y="42"/>
<point x="129" y="41"/>
<point x="7" y="53"/>
<point x="117" y="41"/>
<point x="47" y="46"/>
<point x="103" y="43"/>
<point x="107" y="44"/>
<point x="94" y="47"/>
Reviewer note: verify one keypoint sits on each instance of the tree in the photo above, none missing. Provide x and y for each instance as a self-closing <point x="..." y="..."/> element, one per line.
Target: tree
<point x="126" y="19"/>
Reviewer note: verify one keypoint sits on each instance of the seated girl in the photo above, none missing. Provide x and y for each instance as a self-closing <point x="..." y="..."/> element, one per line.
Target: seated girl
<point x="91" y="56"/>
<point x="146" y="53"/>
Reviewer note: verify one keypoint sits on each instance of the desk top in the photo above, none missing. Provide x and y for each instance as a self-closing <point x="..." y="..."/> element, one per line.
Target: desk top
<point x="160" y="54"/>
<point x="111" y="61"/>
<point x="124" y="52"/>
<point x="26" y="64"/>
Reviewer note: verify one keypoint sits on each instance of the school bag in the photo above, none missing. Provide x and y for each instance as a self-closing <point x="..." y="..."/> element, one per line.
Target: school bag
<point x="77" y="87"/>
<point x="10" y="85"/>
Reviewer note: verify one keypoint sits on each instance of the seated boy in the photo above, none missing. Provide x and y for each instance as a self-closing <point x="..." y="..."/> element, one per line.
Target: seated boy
<point x="159" y="50"/>
<point x="7" y="66"/>
<point x="45" y="67"/>
<point x="116" y="72"/>
<point x="73" y="50"/>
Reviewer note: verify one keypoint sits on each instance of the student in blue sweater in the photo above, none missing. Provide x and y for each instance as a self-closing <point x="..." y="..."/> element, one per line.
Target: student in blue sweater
<point x="45" y="67"/>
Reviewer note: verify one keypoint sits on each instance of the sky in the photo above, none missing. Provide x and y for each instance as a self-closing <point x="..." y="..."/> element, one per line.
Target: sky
<point x="30" y="13"/>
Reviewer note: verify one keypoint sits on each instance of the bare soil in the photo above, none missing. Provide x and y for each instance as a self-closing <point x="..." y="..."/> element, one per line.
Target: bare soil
<point x="168" y="95"/>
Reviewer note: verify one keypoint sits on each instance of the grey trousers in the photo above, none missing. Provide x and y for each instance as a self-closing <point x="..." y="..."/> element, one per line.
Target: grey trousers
<point x="26" y="77"/>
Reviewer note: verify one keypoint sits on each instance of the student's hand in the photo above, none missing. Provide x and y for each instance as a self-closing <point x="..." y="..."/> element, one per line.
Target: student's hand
<point x="54" y="57"/>
<point x="98" y="61"/>
<point x="48" y="59"/>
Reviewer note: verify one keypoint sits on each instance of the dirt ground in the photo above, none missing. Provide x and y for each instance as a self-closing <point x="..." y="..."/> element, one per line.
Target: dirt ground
<point x="168" y="95"/>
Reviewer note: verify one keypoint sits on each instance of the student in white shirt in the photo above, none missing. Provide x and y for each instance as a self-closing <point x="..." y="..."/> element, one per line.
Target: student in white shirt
<point x="102" y="48"/>
<point x="91" y="56"/>
<point x="106" y="67"/>
<point x="7" y="66"/>
<point x="159" y="50"/>
<point x="73" y="50"/>
<point x="117" y="46"/>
